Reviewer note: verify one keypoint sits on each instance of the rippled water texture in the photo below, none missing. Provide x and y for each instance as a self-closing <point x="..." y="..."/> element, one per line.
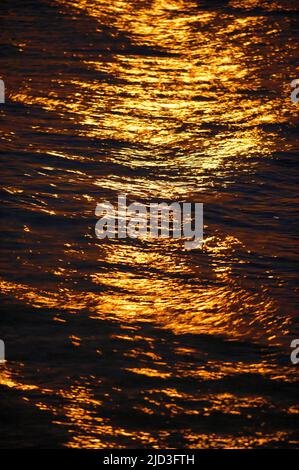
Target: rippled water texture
<point x="140" y="343"/>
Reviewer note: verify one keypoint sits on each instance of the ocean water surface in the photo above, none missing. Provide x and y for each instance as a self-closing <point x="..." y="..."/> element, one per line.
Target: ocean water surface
<point x="142" y="343"/>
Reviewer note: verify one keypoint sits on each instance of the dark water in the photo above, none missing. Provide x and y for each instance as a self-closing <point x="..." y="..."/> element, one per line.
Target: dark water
<point x="140" y="343"/>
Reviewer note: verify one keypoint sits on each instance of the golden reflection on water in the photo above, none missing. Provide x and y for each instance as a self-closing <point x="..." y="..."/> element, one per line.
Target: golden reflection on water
<point x="197" y="86"/>
<point x="81" y="413"/>
<point x="170" y="294"/>
<point x="162" y="100"/>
